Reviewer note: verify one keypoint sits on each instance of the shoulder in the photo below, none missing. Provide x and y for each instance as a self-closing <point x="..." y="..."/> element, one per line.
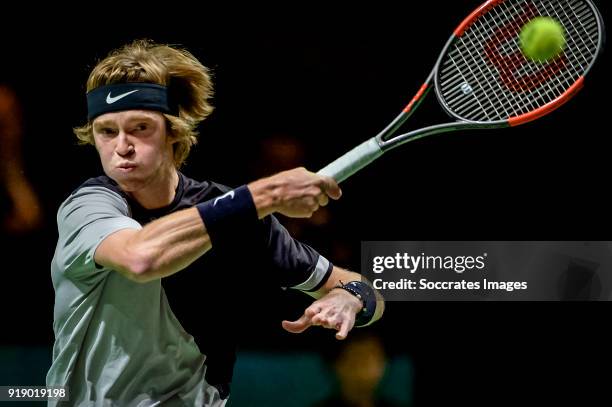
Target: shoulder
<point x="100" y="183"/>
<point x="198" y="191"/>
<point x="96" y="195"/>
<point x="91" y="213"/>
<point x="191" y="184"/>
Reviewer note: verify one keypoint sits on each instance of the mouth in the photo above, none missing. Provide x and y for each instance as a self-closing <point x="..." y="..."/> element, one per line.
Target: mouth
<point x="127" y="167"/>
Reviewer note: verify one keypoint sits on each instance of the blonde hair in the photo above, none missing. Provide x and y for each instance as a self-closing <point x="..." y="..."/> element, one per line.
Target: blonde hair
<point x="187" y="80"/>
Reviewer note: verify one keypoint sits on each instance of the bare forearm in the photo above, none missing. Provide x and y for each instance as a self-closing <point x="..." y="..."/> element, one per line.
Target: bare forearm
<point x="173" y="242"/>
<point x="161" y="248"/>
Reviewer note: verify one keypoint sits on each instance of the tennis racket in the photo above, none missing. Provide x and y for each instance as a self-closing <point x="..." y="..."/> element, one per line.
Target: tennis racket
<point x="483" y="80"/>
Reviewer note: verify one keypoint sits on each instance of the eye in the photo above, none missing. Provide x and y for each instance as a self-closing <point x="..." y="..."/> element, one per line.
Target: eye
<point x="107" y="131"/>
<point x="141" y="127"/>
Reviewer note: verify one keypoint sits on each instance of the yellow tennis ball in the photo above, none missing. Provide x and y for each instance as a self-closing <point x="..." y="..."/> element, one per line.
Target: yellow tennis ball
<point x="542" y="39"/>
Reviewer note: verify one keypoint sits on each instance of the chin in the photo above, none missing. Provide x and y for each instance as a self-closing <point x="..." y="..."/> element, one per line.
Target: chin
<point x="129" y="183"/>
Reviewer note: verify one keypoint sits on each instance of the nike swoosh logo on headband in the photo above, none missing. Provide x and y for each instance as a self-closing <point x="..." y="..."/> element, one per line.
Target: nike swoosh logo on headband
<point x="110" y="99"/>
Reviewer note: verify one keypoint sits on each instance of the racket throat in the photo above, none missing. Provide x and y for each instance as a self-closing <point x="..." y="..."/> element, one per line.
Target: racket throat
<point x="434" y="130"/>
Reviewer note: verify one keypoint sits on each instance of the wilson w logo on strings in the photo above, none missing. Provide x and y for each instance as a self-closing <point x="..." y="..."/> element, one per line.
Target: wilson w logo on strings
<point x="509" y="65"/>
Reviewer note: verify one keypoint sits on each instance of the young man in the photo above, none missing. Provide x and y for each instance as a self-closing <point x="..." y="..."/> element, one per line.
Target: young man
<point x="117" y="341"/>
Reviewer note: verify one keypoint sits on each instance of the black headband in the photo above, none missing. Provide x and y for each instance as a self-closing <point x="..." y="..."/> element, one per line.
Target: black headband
<point x="128" y="96"/>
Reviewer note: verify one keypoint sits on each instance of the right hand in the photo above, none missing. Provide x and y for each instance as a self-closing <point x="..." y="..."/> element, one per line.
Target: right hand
<point x="296" y="193"/>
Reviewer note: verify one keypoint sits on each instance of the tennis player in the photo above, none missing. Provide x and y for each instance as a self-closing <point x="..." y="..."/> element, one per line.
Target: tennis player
<point x="117" y="342"/>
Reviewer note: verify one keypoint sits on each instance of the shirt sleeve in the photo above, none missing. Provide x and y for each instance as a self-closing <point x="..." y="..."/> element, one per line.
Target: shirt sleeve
<point x="84" y="220"/>
<point x="299" y="265"/>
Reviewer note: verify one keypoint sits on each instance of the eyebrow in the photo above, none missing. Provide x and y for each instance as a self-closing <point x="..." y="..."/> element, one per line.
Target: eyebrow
<point x="138" y="118"/>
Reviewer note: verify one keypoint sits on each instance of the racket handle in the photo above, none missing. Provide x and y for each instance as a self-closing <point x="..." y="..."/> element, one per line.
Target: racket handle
<point x="353" y="161"/>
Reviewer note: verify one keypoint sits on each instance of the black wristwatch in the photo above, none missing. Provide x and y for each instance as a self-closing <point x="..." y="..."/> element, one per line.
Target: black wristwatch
<point x="366" y="295"/>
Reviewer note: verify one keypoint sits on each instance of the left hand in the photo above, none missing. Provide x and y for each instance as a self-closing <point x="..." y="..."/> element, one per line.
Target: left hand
<point x="336" y="310"/>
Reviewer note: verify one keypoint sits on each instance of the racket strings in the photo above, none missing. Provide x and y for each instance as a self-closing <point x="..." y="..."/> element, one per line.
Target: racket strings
<point x="507" y="65"/>
<point x="484" y="75"/>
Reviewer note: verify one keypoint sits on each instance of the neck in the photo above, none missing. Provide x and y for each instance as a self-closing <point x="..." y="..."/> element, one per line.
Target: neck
<point x="158" y="193"/>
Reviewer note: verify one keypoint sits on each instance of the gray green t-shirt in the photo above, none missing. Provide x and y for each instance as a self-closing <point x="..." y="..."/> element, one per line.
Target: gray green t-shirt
<point x="117" y="341"/>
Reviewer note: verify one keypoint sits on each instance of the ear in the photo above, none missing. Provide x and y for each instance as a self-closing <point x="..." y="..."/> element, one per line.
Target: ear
<point x="170" y="137"/>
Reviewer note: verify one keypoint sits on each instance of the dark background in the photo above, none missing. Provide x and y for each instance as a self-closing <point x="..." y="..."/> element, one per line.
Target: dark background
<point x="328" y="79"/>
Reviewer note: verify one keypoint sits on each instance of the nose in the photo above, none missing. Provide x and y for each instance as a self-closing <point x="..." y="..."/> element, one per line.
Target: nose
<point x="124" y="146"/>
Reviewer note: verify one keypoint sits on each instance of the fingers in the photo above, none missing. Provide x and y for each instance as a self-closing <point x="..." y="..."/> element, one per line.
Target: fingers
<point x="312" y="311"/>
<point x="345" y="327"/>
<point x="299" y="326"/>
<point x="310" y="204"/>
<point x="329" y="319"/>
<point x="322" y="199"/>
<point x="330" y="187"/>
<point x="341" y="322"/>
<point x="321" y="317"/>
<point x="304" y="322"/>
<point x="303" y="192"/>
<point x="317" y="315"/>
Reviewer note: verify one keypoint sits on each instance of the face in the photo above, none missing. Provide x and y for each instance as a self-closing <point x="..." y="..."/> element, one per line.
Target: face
<point x="134" y="148"/>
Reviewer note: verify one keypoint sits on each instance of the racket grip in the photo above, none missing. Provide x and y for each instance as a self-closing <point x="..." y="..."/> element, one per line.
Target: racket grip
<point x="353" y="161"/>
